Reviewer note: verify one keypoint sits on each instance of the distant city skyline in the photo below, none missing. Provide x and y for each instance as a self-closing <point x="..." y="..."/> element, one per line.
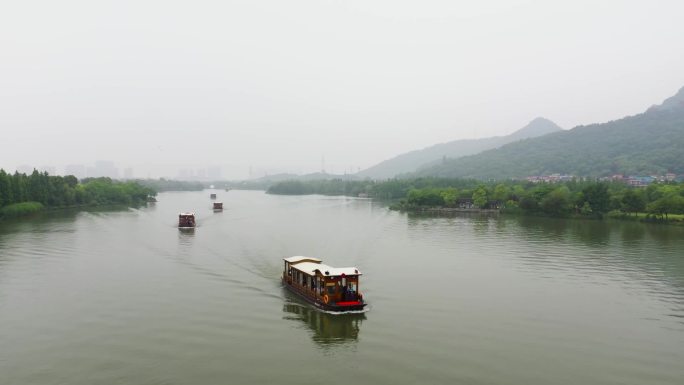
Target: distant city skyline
<point x="111" y="169"/>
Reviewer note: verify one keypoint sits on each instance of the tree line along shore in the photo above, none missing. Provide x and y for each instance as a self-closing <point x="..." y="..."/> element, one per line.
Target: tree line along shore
<point x="22" y="194"/>
<point x="662" y="202"/>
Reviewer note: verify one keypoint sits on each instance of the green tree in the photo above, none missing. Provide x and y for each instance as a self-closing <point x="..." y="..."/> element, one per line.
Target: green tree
<point x="586" y="209"/>
<point x="450" y="196"/>
<point x="19" y="187"/>
<point x="5" y="188"/>
<point x="502" y="192"/>
<point x="425" y="197"/>
<point x="480" y="197"/>
<point x="598" y="197"/>
<point x="557" y="202"/>
<point x="670" y="204"/>
<point x="632" y="202"/>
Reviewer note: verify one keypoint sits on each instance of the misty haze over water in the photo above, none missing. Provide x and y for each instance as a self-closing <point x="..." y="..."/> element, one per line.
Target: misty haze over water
<point x="181" y="89"/>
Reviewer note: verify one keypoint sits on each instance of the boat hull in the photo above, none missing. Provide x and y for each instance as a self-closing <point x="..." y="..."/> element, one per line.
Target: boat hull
<point x="338" y="307"/>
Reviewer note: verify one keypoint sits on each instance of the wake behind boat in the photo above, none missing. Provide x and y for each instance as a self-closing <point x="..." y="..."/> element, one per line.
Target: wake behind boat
<point x="330" y="288"/>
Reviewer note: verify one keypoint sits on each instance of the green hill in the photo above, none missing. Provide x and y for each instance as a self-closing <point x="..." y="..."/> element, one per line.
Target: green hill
<point x="648" y="143"/>
<point x="415" y="160"/>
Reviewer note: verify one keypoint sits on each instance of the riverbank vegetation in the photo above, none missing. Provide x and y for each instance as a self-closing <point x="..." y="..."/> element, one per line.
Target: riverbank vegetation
<point x="20" y="209"/>
<point x="582" y="198"/>
<point x="22" y="194"/>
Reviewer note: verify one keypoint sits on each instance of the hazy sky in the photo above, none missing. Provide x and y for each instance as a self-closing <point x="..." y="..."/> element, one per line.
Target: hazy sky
<point x="157" y="85"/>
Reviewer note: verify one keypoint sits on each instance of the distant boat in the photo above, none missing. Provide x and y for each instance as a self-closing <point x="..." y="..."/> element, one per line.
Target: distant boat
<point x="186" y="221"/>
<point x="151" y="199"/>
<point x="218" y="206"/>
<point x="227" y="189"/>
<point x="212" y="196"/>
<point x="330" y="288"/>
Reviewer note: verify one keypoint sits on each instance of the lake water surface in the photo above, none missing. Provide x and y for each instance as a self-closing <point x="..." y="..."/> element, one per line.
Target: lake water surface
<point x="124" y="297"/>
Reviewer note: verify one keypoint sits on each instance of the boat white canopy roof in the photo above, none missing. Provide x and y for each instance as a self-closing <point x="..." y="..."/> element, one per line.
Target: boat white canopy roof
<point x="300" y="258"/>
<point x="329" y="271"/>
<point x="188" y="213"/>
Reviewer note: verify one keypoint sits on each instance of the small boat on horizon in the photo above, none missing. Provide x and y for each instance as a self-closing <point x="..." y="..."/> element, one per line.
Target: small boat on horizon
<point x="212" y="196"/>
<point x="327" y="287"/>
<point x="218" y="206"/>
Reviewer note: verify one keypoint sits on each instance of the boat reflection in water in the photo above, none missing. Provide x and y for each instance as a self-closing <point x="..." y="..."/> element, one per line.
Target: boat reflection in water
<point x="328" y="329"/>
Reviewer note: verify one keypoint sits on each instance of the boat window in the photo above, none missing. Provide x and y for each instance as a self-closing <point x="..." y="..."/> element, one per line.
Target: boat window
<point x="344" y="281"/>
<point x="331" y="290"/>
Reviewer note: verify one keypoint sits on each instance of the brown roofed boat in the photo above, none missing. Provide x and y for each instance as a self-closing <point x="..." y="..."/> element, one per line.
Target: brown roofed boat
<point x="186" y="221"/>
<point x="330" y="288"/>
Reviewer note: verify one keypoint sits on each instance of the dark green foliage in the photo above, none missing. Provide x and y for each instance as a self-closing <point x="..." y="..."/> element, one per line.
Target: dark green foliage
<point x="295" y="187"/>
<point x="576" y="197"/>
<point x="425" y="197"/>
<point x="480" y="197"/>
<point x="598" y="198"/>
<point x="557" y="203"/>
<point x="21" y="193"/>
<point x="632" y="202"/>
<point x="672" y="203"/>
<point x="584" y="198"/>
<point x="6" y="190"/>
<point x="19" y="209"/>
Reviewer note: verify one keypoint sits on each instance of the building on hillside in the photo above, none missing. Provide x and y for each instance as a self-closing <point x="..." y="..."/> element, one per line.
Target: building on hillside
<point x="639" y="181"/>
<point x="553" y="178"/>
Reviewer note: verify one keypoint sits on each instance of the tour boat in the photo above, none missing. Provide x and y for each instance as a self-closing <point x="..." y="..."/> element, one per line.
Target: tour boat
<point x="186" y="221"/>
<point x="218" y="206"/>
<point x="212" y="196"/>
<point x="330" y="288"/>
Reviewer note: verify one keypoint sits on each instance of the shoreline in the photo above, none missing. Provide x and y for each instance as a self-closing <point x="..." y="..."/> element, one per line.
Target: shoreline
<point x="47" y="210"/>
<point x="620" y="217"/>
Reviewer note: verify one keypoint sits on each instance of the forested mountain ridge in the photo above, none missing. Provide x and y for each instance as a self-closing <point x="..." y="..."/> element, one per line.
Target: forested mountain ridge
<point x="643" y="144"/>
<point x="414" y="160"/>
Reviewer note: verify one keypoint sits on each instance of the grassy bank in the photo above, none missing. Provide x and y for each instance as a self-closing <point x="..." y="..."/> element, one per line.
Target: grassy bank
<point x="672" y="219"/>
<point x="21" y="209"/>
